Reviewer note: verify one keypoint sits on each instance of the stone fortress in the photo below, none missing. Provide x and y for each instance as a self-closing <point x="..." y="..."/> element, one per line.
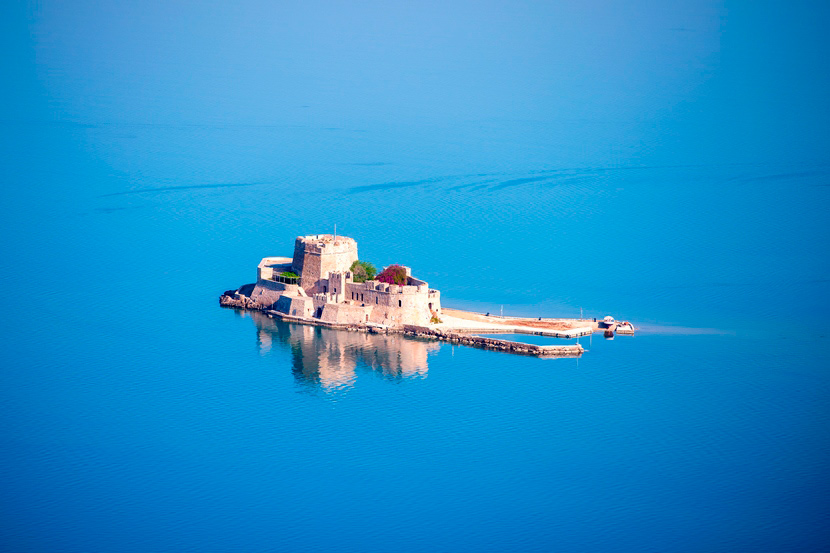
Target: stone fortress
<point x="324" y="289"/>
<point x="316" y="287"/>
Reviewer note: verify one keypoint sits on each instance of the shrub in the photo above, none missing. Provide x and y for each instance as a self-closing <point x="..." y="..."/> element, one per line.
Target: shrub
<point x="362" y="271"/>
<point x="435" y="320"/>
<point x="288" y="277"/>
<point x="393" y="274"/>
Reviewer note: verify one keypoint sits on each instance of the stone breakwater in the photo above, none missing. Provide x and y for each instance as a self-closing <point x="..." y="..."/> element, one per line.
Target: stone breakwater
<point x="494" y="343"/>
<point x="233" y="299"/>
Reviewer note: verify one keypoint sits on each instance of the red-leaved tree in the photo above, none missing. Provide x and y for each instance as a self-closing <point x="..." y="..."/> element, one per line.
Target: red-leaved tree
<point x="393" y="274"/>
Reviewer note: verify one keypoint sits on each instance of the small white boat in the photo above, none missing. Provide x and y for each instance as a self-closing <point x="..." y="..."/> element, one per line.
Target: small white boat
<point x="608" y="320"/>
<point x="624" y="327"/>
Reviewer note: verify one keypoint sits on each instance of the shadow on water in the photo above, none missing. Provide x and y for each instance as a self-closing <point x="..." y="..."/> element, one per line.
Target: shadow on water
<point x="327" y="359"/>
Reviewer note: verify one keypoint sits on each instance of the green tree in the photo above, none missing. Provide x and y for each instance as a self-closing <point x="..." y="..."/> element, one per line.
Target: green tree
<point x="363" y="271"/>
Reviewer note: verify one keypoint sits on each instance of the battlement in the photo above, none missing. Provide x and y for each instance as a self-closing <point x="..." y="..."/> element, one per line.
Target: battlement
<point x="323" y="244"/>
<point x="381" y="287"/>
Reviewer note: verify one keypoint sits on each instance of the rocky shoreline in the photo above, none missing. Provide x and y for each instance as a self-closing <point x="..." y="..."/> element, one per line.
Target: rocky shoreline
<point x="232" y="298"/>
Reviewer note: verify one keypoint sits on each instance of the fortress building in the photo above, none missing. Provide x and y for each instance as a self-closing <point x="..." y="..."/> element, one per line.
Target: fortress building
<point x="317" y="284"/>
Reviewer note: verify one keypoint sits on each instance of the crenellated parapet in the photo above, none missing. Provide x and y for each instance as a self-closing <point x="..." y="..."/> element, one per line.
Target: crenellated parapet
<point x="394" y="304"/>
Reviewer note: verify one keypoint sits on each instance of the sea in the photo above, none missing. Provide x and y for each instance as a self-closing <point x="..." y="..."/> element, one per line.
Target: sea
<point x="139" y="416"/>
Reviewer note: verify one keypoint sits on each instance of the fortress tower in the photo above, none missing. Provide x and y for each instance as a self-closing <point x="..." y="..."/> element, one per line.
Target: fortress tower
<point x="317" y="255"/>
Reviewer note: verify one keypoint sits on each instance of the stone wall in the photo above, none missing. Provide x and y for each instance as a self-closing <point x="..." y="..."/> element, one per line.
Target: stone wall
<point x="395" y="305"/>
<point x="296" y="306"/>
<point x="342" y="313"/>
<point x="267" y="292"/>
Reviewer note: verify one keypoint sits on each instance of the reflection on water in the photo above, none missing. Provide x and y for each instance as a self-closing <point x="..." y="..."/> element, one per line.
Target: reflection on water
<point x="327" y="358"/>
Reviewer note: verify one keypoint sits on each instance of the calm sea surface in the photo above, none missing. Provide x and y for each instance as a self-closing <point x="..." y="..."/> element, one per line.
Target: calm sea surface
<point x="141" y="416"/>
<point x="662" y="163"/>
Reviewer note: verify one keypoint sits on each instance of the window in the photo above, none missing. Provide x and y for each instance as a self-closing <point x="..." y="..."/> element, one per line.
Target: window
<point x="400" y="303"/>
<point x="376" y="300"/>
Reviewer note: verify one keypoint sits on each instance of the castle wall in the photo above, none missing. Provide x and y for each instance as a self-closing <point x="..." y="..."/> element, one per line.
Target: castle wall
<point x="298" y="306"/>
<point x="344" y="313"/>
<point x="267" y="292"/>
<point x="396" y="305"/>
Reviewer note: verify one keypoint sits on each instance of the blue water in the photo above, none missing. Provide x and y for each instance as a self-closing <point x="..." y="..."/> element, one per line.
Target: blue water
<point x="664" y="166"/>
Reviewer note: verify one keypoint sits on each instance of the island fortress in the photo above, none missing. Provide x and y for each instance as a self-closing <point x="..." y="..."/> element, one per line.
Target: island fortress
<point x="318" y="283"/>
<point x="324" y="284"/>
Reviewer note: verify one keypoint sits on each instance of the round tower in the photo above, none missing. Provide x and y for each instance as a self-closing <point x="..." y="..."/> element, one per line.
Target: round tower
<point x="317" y="255"/>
